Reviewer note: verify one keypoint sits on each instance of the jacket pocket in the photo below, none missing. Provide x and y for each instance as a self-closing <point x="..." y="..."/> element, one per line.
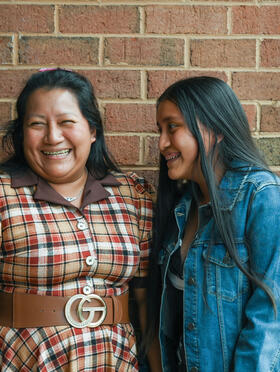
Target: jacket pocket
<point x="223" y="278"/>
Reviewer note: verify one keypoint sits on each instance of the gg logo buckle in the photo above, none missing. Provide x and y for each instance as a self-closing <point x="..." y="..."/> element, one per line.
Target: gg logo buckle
<point x="85" y="322"/>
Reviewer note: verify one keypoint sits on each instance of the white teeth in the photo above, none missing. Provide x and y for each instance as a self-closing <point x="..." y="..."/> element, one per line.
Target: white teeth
<point x="56" y="152"/>
<point x="171" y="157"/>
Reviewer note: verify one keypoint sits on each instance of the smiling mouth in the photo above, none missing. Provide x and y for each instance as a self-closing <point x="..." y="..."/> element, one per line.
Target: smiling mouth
<point x="57" y="154"/>
<point x="172" y="157"/>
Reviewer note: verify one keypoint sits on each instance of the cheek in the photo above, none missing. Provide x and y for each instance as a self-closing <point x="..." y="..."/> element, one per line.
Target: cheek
<point x="189" y="147"/>
<point x="31" y="142"/>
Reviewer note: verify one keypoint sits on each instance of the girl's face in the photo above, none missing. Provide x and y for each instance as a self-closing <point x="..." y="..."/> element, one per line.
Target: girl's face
<point x="177" y="144"/>
<point x="57" y="137"/>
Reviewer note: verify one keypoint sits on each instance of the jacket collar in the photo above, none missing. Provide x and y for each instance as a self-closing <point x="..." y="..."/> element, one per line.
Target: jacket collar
<point x="94" y="189"/>
<point x="229" y="188"/>
<point x="232" y="183"/>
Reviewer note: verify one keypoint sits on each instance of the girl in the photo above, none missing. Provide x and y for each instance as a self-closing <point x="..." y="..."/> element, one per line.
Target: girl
<point x="216" y="244"/>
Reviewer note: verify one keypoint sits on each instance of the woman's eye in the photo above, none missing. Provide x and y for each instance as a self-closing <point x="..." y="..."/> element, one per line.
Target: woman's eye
<point x="35" y="123"/>
<point x="67" y="121"/>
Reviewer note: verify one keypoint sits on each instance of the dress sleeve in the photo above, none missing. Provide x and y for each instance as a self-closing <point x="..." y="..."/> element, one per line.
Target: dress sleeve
<point x="258" y="347"/>
<point x="144" y="201"/>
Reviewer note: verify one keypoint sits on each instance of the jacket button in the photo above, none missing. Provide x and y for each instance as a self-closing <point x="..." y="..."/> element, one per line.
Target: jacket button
<point x="191" y="326"/>
<point x="226" y="260"/>
<point x="194" y="369"/>
<point x="191" y="281"/>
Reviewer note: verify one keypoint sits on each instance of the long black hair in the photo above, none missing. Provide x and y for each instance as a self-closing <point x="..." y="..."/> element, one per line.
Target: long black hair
<point x="211" y="102"/>
<point x="99" y="162"/>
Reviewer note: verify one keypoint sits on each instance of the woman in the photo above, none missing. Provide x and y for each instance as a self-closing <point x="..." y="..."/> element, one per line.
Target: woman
<point x="216" y="249"/>
<point x="75" y="236"/>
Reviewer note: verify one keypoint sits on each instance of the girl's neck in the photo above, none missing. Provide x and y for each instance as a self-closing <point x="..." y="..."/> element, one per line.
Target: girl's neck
<point x="205" y="195"/>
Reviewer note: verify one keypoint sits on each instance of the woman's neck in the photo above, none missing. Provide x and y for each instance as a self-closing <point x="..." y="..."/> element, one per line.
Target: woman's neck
<point x="72" y="190"/>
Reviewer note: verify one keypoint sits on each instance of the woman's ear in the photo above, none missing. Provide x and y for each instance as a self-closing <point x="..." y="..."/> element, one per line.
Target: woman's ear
<point x="93" y="135"/>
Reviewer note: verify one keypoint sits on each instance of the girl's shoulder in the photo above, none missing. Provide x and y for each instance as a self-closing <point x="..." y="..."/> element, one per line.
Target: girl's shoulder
<point x="262" y="178"/>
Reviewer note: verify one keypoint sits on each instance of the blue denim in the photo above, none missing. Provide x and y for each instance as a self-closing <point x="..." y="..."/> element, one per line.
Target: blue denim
<point x="229" y="324"/>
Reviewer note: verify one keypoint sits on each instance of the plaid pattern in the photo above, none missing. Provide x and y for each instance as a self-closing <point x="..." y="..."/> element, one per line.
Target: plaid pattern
<point x="46" y="243"/>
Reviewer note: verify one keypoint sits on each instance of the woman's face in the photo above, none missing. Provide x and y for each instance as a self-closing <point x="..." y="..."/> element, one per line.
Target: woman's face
<point x="177" y="144"/>
<point x="57" y="137"/>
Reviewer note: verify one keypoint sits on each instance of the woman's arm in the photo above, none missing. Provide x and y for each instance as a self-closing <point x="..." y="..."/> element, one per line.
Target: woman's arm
<point x="154" y="350"/>
<point x="258" y="347"/>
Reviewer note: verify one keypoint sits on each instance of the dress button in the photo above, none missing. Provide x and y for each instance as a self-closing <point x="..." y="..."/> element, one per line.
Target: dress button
<point x="191" y="281"/>
<point x="191" y="326"/>
<point x="90" y="260"/>
<point x="194" y="369"/>
<point x="81" y="225"/>
<point x="87" y="290"/>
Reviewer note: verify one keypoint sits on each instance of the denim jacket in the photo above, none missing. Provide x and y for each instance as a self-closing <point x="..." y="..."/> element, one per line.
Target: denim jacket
<point x="229" y="324"/>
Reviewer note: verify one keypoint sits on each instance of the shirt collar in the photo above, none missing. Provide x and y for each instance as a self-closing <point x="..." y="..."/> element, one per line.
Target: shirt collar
<point x="94" y="189"/>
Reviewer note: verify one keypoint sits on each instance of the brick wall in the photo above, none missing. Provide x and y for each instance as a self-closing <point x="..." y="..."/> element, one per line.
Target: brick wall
<point x="131" y="50"/>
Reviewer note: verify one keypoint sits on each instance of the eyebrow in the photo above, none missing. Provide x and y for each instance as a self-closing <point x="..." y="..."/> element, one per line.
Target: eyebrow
<point x="170" y="118"/>
<point x="37" y="115"/>
<point x="43" y="116"/>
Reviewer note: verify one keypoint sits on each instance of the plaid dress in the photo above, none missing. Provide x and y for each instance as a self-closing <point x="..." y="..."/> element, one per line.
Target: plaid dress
<point x="51" y="248"/>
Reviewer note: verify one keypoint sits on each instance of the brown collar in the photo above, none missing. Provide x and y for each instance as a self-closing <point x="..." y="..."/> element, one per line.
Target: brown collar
<point x="93" y="192"/>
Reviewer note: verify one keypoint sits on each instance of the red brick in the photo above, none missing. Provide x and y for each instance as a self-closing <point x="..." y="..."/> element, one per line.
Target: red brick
<point x="58" y="50"/>
<point x="270" y="53"/>
<point x="5" y="114"/>
<point x="186" y="19"/>
<point x="255" y="20"/>
<point x="257" y="85"/>
<point x="98" y="19"/>
<point x="270" y="119"/>
<point x="144" y="51"/>
<point x="158" y="81"/>
<point x="6" y="48"/>
<point x="115" y="84"/>
<point x="223" y="53"/>
<point x="12" y="81"/>
<point x="151" y="154"/>
<point x="26" y="18"/>
<point x="251" y="113"/>
<point x="125" y="149"/>
<point x="131" y="117"/>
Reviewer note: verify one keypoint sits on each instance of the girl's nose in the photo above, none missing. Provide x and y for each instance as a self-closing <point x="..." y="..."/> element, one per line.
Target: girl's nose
<point x="164" y="141"/>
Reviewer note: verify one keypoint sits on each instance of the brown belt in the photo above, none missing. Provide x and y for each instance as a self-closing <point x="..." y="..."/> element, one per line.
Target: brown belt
<point x="24" y="310"/>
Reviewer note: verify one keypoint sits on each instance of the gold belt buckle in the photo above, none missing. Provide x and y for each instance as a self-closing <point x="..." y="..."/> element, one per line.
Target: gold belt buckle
<point x="85" y="322"/>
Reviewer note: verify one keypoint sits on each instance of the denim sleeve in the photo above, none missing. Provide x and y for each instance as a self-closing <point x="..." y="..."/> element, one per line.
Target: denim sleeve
<point x="258" y="347"/>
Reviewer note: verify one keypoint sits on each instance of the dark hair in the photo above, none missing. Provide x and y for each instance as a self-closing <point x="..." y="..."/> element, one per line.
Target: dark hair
<point x="211" y="102"/>
<point x="99" y="161"/>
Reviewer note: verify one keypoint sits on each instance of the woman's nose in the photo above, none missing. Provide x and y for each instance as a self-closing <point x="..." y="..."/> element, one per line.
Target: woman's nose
<point x="54" y="134"/>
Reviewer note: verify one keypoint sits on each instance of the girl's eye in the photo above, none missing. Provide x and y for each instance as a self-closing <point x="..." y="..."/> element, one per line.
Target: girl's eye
<point x="171" y="126"/>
